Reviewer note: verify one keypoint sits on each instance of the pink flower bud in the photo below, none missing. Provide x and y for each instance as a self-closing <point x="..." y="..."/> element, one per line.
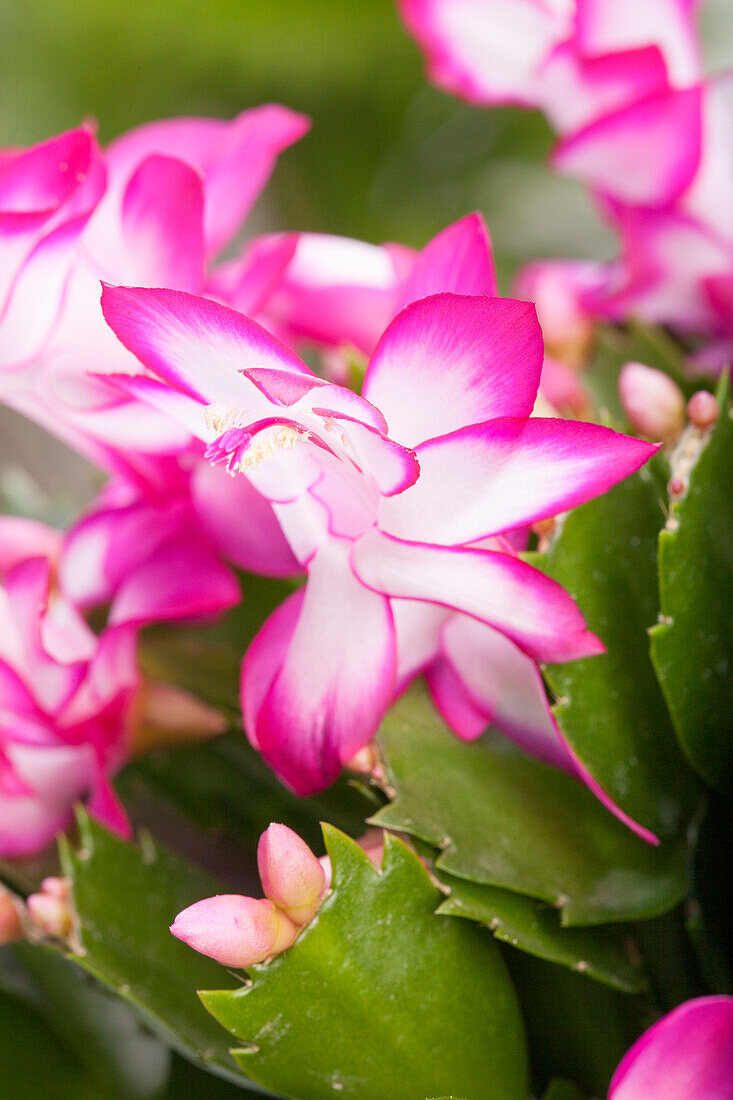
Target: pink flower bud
<point x="291" y="875"/>
<point x="654" y="404"/>
<point x="703" y="409"/>
<point x="51" y="915"/>
<point x="11" y="928"/>
<point x="234" y="930"/>
<point x="56" y="887"/>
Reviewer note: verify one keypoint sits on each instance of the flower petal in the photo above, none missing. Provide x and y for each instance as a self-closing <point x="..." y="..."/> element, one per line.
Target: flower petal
<point x="178" y="581"/>
<point x="194" y="344"/>
<point x="607" y="26"/>
<point x="499" y="589"/>
<point x="162" y="226"/>
<point x="507" y="473"/>
<point x="487" y="52"/>
<point x="505" y="686"/>
<point x="459" y="260"/>
<point x="455" y="705"/>
<point x="644" y="154"/>
<point x="241" y="522"/>
<point x="449" y="360"/>
<point x="688" y="1053"/>
<point x="335" y="680"/>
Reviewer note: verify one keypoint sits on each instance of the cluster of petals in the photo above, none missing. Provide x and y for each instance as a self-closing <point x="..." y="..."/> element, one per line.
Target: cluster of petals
<point x="404" y="506"/>
<point x="622" y="84"/>
<point x="156" y="207"/>
<point x="66" y="698"/>
<point x="686" y="1054"/>
<point x="241" y="931"/>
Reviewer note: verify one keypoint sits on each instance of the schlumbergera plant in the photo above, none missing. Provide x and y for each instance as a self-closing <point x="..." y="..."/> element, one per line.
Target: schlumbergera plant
<point x="378" y="547"/>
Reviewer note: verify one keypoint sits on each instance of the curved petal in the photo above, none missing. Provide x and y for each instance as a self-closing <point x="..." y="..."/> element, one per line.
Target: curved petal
<point x="264" y="659"/>
<point x="488" y="51"/>
<point x="508" y="473"/>
<point x="417" y="626"/>
<point x="606" y="26"/>
<point x="505" y="686"/>
<point x="55" y="777"/>
<point x="336" y="291"/>
<point x="25" y="538"/>
<point x="235" y="158"/>
<point x="336" y="679"/>
<point x="459" y="260"/>
<point x="180" y="580"/>
<point x="501" y="590"/>
<point x="454" y="704"/>
<point x="249" y="282"/>
<point x="645" y="154"/>
<point x="241" y="522"/>
<point x="449" y="360"/>
<point x="194" y="344"/>
<point x="688" y="1053"/>
<point x="162" y="226"/>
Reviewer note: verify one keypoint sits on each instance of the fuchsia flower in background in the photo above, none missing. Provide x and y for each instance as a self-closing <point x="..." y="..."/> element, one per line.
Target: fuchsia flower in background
<point x="66" y="701"/>
<point x="687" y="1055"/>
<point x="156" y="208"/>
<point x="623" y="86"/>
<point x="402" y="494"/>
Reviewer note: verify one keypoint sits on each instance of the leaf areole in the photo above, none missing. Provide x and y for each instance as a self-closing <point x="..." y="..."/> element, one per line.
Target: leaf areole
<point x="502" y="818"/>
<point x="691" y="645"/>
<point x="533" y="926"/>
<point x="379" y="996"/>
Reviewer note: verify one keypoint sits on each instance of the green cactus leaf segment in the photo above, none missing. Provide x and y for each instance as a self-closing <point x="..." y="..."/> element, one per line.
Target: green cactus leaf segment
<point x="379" y="996"/>
<point x="504" y="819"/>
<point x="692" y="644"/>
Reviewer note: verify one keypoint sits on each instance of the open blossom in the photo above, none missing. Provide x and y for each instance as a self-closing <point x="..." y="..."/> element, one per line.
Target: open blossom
<point x="687" y="1055"/>
<point x="383" y="497"/>
<point x="155" y="208"/>
<point x="66" y="701"/>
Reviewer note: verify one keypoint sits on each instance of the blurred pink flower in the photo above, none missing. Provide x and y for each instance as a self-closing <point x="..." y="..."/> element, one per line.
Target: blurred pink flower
<point x="687" y="1055"/>
<point x="66" y="701"/>
<point x="156" y="209"/>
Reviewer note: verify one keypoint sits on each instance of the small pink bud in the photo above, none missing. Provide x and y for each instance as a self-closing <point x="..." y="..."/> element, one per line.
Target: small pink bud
<point x="291" y="875"/>
<point x="11" y="928"/>
<point x="56" y="887"/>
<point x="703" y="409"/>
<point x="234" y="930"/>
<point x="51" y="915"/>
<point x="654" y="404"/>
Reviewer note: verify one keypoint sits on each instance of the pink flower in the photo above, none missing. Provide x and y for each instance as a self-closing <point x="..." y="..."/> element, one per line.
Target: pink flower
<point x="47" y="195"/>
<point x="65" y="707"/>
<point x="687" y="1054"/>
<point x="176" y="193"/>
<point x="336" y="291"/>
<point x="144" y="552"/>
<point x="374" y="513"/>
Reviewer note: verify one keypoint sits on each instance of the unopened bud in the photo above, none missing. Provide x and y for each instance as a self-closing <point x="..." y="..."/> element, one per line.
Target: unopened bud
<point x="11" y="927"/>
<point x="291" y="875"/>
<point x="234" y="930"/>
<point x="703" y="409"/>
<point x="653" y="402"/>
<point x="50" y="915"/>
<point x="56" y="887"/>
